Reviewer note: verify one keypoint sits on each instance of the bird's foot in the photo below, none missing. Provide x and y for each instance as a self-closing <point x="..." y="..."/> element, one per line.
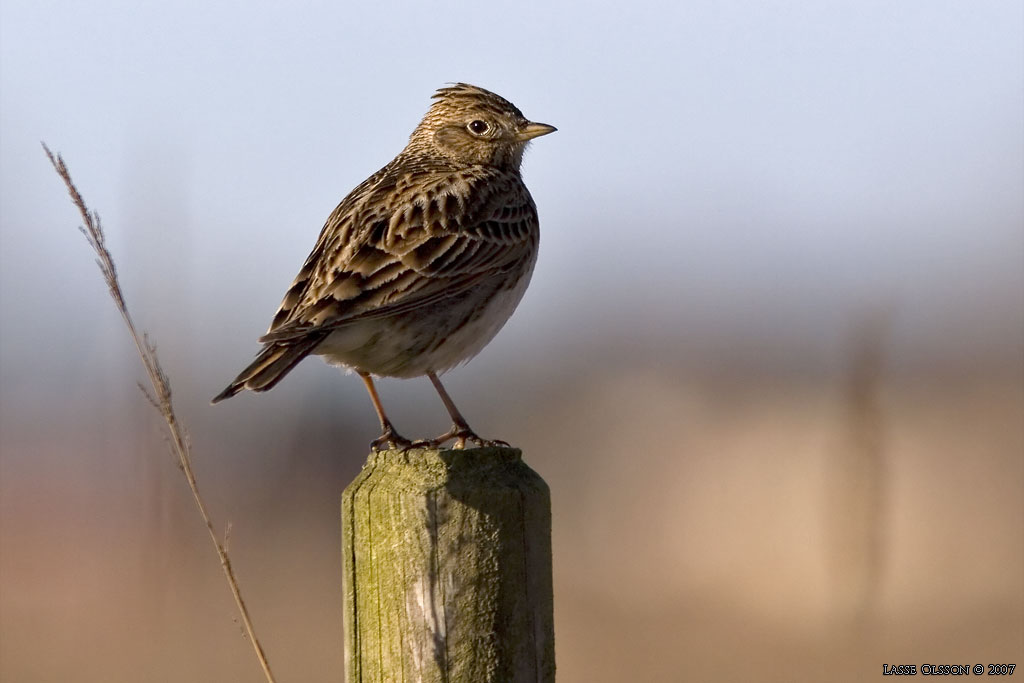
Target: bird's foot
<point x="462" y="434"/>
<point x="391" y="439"/>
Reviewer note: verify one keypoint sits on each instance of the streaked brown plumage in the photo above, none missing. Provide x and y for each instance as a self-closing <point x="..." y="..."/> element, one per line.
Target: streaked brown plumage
<point x="420" y="265"/>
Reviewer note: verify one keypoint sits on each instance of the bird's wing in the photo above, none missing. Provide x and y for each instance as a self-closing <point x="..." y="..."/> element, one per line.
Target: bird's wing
<point x="405" y="240"/>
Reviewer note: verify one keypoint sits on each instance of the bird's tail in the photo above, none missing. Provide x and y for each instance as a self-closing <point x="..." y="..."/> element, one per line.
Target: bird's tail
<point x="271" y="365"/>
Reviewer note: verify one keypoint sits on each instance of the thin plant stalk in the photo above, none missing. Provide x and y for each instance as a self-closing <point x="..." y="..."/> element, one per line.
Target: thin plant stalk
<point x="161" y="398"/>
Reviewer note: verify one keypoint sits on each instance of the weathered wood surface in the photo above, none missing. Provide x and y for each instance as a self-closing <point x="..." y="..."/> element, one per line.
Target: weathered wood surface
<point x="447" y="569"/>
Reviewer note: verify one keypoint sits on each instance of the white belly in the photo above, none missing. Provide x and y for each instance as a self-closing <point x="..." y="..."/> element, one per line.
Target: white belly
<point x="433" y="339"/>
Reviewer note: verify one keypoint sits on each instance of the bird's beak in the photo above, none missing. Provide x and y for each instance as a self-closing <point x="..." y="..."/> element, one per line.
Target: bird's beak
<point x="534" y="130"/>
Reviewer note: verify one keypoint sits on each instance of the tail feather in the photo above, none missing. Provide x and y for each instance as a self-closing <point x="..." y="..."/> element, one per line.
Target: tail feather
<point x="270" y="366"/>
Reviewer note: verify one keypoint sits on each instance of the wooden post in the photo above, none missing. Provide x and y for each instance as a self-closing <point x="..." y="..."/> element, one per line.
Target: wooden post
<point x="447" y="569"/>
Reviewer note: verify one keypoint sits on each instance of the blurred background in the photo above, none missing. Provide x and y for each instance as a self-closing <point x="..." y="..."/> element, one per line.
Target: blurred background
<point x="771" y="362"/>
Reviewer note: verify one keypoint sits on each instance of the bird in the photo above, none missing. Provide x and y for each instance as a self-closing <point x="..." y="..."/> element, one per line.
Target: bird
<point x="421" y="265"/>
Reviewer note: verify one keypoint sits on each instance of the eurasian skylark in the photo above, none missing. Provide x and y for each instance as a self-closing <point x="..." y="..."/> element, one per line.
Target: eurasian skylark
<point x="419" y="267"/>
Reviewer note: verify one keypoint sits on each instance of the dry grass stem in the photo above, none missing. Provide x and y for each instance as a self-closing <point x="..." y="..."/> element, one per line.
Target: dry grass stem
<point x="161" y="396"/>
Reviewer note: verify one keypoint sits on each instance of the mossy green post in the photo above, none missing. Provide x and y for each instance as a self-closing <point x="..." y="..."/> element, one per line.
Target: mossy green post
<point x="447" y="569"/>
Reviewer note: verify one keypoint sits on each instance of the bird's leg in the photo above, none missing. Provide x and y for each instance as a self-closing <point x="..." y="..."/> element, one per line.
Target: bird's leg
<point x="388" y="437"/>
<point x="460" y="428"/>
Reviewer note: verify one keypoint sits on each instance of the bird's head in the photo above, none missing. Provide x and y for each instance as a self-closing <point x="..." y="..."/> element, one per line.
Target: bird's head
<point x="474" y="126"/>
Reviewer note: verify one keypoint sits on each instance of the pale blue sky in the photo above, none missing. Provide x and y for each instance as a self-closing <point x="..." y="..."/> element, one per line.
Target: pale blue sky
<point x="758" y="168"/>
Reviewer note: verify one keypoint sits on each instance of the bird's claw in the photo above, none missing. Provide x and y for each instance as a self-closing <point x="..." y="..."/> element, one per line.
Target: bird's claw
<point x="461" y="434"/>
<point x="391" y="439"/>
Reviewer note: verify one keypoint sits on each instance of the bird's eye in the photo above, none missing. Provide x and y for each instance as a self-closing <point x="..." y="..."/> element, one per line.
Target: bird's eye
<point x="478" y="127"/>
